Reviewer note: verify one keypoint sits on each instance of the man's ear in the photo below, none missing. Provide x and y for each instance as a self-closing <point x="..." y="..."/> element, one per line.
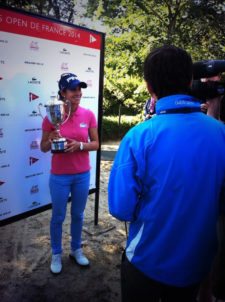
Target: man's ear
<point x="150" y="90"/>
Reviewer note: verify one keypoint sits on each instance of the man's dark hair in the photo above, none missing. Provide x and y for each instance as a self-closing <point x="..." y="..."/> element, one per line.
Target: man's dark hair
<point x="168" y="70"/>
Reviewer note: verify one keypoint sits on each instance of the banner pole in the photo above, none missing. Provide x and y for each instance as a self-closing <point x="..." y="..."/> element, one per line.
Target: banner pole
<point x="100" y="114"/>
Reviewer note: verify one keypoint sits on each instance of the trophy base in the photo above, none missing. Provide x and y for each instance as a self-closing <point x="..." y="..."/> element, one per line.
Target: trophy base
<point x="58" y="145"/>
<point x="57" y="151"/>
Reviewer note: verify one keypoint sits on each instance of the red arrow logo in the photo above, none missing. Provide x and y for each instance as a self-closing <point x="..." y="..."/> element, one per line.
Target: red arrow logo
<point x="32" y="96"/>
<point x="33" y="160"/>
<point x="92" y="39"/>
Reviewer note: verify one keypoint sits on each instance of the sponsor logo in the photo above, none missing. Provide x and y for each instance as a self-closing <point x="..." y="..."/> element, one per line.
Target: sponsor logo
<point x="34" y="204"/>
<point x="32" y="96"/>
<point x="1" y="182"/>
<point x="92" y="39"/>
<point x="34" y="189"/>
<point x="83" y="125"/>
<point x="4" y="114"/>
<point x="1" y="132"/>
<point x="3" y="41"/>
<point x="5" y="213"/>
<point x="33" y="160"/>
<point x="32" y="129"/>
<point x="33" y="63"/>
<point x="2" y="61"/>
<point x="3" y="199"/>
<point x="89" y="83"/>
<point x="88" y="97"/>
<point x="5" y="166"/>
<point x="34" y="113"/>
<point x="89" y="55"/>
<point x="2" y="99"/>
<point x="34" y="45"/>
<point x="64" y="66"/>
<point x="34" y="145"/>
<point x="34" y="81"/>
<point x="2" y="151"/>
<point x="71" y="78"/>
<point x="35" y="174"/>
<point x="89" y="69"/>
<point x="65" y="52"/>
<point x="184" y="102"/>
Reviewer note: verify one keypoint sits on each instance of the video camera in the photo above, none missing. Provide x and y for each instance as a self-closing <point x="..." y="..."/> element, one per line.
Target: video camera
<point x="210" y="89"/>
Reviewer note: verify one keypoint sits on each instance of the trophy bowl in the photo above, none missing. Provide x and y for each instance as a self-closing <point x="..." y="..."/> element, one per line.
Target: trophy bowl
<point x="57" y="116"/>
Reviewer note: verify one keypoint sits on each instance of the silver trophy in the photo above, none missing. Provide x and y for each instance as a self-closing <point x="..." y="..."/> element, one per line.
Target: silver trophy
<point x="57" y="115"/>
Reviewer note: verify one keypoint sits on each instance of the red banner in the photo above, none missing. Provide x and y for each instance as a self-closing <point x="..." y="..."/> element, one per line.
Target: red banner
<point x="14" y="22"/>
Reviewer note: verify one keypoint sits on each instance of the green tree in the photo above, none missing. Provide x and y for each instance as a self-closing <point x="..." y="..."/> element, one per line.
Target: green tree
<point x="135" y="27"/>
<point x="59" y="9"/>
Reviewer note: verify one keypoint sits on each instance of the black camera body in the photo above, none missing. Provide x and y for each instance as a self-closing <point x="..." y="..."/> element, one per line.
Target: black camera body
<point x="209" y="89"/>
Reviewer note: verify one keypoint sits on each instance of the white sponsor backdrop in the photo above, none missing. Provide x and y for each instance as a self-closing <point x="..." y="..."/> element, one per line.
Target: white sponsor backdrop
<point x="29" y="70"/>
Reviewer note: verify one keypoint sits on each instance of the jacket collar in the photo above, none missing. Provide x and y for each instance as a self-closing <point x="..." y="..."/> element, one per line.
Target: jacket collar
<point x="176" y="101"/>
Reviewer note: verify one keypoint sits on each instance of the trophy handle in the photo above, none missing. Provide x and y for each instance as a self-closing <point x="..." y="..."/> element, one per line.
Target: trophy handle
<point x="39" y="109"/>
<point x="67" y="103"/>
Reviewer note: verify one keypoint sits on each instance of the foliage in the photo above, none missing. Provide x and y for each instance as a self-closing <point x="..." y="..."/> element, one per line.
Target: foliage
<point x="111" y="130"/>
<point x="59" y="9"/>
<point x="135" y="27"/>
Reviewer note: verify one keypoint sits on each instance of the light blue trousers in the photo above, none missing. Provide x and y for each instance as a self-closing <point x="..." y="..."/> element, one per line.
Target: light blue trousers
<point x="60" y="188"/>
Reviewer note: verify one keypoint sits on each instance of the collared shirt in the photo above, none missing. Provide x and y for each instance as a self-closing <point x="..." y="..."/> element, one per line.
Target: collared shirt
<point x="76" y="128"/>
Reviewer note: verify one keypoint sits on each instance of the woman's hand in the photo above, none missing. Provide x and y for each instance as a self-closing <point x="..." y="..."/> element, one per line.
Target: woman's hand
<point x="45" y="141"/>
<point x="47" y="138"/>
<point x="72" y="145"/>
<point x="53" y="135"/>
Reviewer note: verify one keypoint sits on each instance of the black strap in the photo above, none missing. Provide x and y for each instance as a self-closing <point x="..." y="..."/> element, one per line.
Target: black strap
<point x="180" y="110"/>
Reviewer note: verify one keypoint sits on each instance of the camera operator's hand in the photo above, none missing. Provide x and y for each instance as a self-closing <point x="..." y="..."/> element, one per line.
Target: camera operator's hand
<point x="213" y="105"/>
<point x="204" y="107"/>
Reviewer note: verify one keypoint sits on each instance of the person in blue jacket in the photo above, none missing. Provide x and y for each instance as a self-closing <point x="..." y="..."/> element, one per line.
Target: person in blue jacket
<point x="166" y="180"/>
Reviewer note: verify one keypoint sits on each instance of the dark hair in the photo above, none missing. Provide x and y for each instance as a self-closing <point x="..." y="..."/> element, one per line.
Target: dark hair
<point x="61" y="98"/>
<point x="168" y="70"/>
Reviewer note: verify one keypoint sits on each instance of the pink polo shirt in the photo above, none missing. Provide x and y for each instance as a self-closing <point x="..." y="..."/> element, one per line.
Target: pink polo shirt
<point x="75" y="128"/>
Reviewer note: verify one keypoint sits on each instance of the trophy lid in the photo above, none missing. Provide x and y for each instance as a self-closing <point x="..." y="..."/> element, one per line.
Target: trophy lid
<point x="54" y="101"/>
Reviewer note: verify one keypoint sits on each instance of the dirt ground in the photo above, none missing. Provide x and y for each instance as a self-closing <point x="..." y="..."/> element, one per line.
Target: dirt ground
<point x="25" y="257"/>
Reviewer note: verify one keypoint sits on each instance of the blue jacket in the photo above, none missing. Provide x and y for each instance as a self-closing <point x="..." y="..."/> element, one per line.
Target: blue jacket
<point x="166" y="180"/>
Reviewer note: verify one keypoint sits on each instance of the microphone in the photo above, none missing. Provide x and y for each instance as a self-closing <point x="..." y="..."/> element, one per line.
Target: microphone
<point x="208" y="68"/>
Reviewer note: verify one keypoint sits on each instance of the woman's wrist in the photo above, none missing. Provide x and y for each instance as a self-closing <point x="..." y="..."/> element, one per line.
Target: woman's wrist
<point x="48" y="145"/>
<point x="81" y="146"/>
